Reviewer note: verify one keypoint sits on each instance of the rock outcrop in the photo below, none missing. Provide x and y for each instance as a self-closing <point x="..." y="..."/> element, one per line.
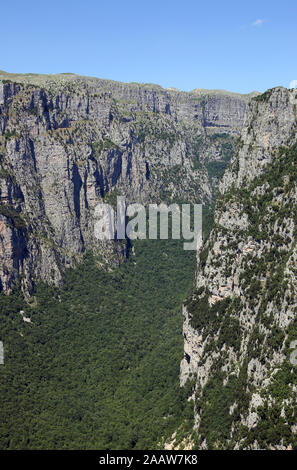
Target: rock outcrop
<point x="69" y="142"/>
<point x="240" y="323"/>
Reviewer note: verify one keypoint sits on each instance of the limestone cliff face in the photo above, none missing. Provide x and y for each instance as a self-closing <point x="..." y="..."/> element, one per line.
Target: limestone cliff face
<point x="68" y="143"/>
<point x="241" y="320"/>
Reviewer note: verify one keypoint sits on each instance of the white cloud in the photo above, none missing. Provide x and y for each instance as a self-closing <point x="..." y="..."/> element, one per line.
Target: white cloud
<point x="293" y="84"/>
<point x="258" y="22"/>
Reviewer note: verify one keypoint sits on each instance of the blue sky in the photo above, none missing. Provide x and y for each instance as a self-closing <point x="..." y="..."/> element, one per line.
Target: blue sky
<point x="233" y="45"/>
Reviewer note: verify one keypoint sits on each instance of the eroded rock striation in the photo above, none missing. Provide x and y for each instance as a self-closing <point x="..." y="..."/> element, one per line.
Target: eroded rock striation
<point x="68" y="143"/>
<point x="240" y="323"/>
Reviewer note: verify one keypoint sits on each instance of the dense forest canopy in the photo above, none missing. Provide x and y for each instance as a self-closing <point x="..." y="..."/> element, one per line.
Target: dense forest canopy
<point x="98" y="365"/>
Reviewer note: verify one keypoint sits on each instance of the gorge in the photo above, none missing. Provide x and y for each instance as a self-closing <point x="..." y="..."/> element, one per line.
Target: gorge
<point x="101" y="361"/>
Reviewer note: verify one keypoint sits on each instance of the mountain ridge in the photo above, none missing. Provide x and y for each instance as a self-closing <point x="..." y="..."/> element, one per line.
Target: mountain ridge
<point x="38" y="79"/>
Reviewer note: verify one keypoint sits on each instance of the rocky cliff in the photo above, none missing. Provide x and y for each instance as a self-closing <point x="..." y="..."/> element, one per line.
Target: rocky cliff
<point x="240" y="325"/>
<point x="69" y="142"/>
